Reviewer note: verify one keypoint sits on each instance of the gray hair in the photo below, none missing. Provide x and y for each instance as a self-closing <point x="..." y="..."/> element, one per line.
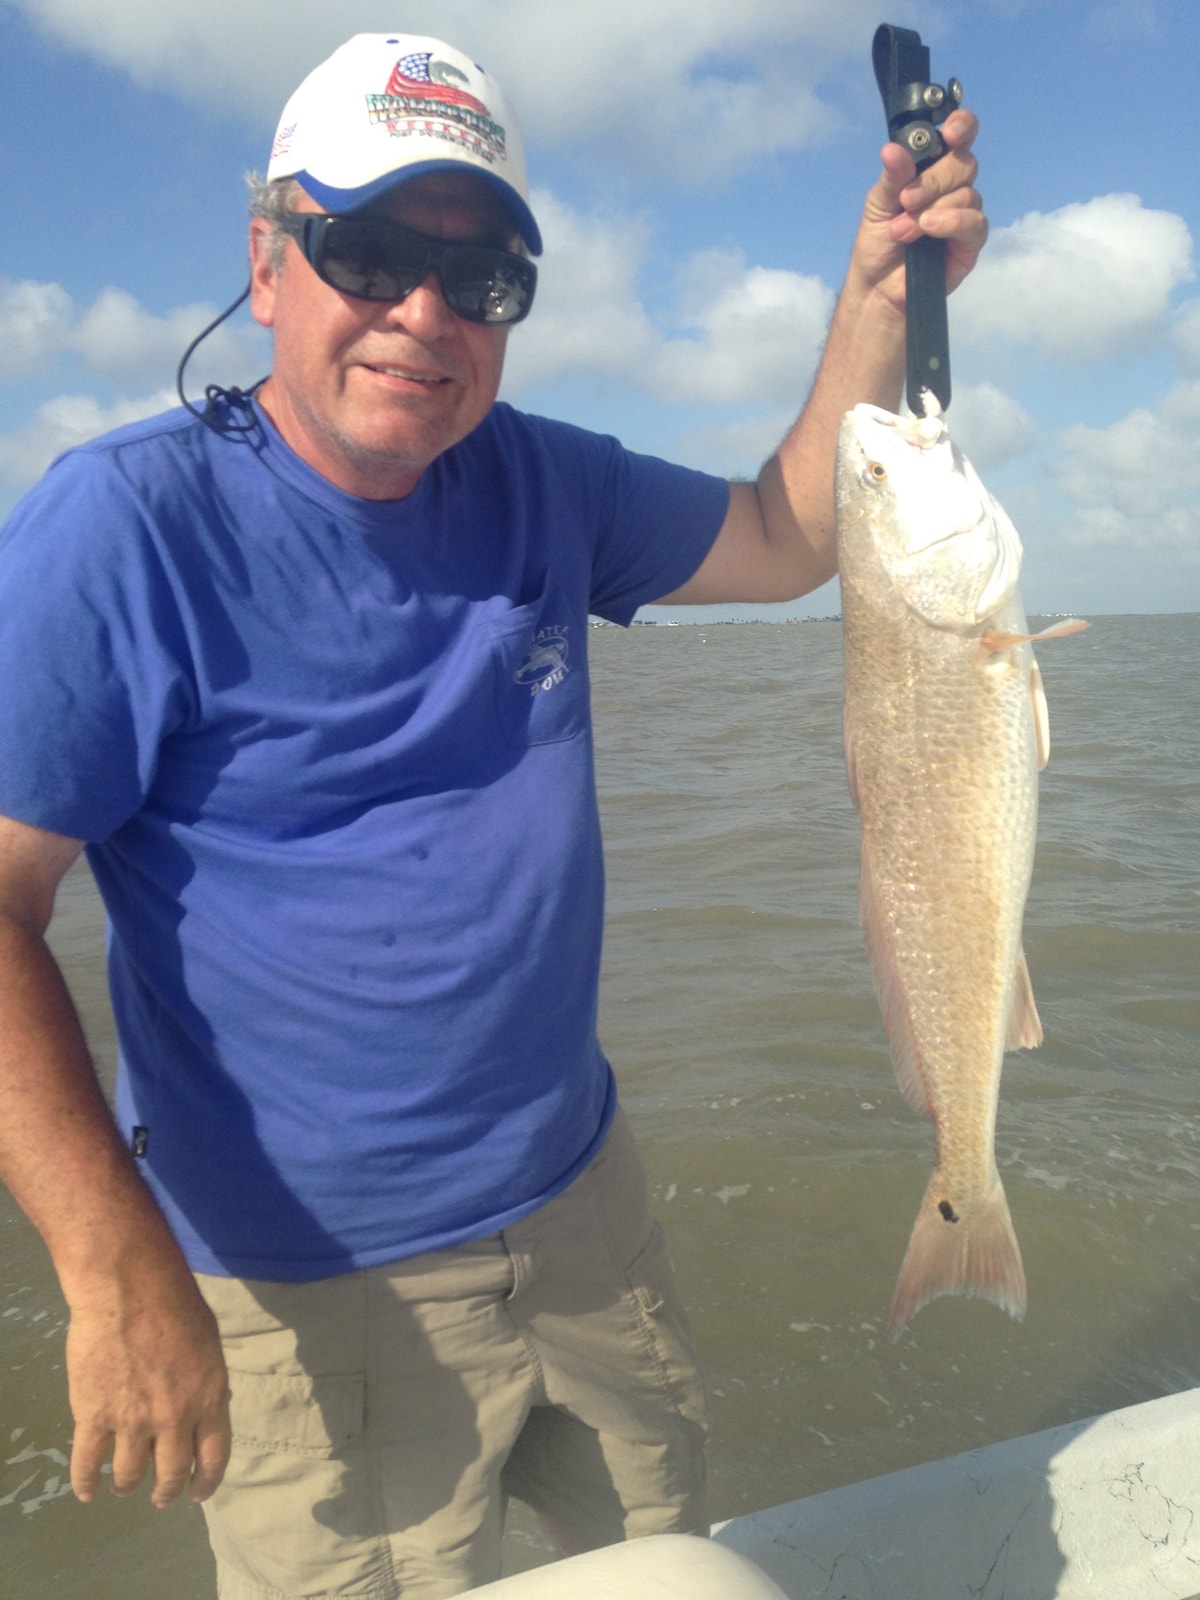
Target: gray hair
<point x="273" y="200"/>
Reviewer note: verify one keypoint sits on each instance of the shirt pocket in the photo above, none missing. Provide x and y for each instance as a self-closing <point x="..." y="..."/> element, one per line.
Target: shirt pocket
<point x="540" y="654"/>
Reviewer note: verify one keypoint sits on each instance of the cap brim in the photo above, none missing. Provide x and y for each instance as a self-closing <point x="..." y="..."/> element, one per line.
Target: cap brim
<point x="342" y="200"/>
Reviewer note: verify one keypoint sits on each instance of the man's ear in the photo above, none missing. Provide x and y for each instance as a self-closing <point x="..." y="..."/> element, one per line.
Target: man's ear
<point x="263" y="276"/>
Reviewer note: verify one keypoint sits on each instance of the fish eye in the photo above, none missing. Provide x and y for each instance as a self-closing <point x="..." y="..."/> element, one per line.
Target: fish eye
<point x="878" y="471"/>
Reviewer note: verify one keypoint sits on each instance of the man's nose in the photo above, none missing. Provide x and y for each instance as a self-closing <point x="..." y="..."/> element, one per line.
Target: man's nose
<point x="424" y="309"/>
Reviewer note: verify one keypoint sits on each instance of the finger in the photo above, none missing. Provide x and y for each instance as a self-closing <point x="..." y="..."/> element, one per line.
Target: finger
<point x="89" y="1452"/>
<point x="213" y="1444"/>
<point x="957" y="213"/>
<point x="949" y="175"/>
<point x="953" y="219"/>
<point x="963" y="225"/>
<point x="960" y="129"/>
<point x="172" y="1468"/>
<point x="130" y="1462"/>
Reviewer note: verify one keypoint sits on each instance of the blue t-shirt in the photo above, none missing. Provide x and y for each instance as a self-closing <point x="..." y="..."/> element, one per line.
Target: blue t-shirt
<point x="332" y="759"/>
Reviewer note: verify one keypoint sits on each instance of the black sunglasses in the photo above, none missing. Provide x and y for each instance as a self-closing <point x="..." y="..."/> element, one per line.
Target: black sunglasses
<point x="374" y="259"/>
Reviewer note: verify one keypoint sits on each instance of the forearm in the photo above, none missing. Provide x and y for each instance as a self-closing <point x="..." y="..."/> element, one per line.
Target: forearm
<point x="144" y="1365"/>
<point x="60" y="1153"/>
<point x="863" y="362"/>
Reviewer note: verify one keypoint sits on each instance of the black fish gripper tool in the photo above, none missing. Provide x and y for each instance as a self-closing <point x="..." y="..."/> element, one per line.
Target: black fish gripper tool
<point x="915" y="109"/>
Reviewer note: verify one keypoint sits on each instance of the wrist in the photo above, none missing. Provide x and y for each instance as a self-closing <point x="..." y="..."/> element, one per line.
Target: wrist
<point x="878" y="307"/>
<point x="123" y="1256"/>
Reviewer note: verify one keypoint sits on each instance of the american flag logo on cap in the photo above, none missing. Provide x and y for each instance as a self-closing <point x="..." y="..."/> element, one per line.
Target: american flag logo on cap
<point x="419" y="73"/>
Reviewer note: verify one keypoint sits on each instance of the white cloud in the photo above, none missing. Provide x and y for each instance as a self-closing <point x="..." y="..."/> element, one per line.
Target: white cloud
<point x="64" y="422"/>
<point x="1089" y="281"/>
<point x="989" y="426"/>
<point x="35" y="325"/>
<point x="755" y="333"/>
<point x="118" y="338"/>
<point x="115" y="338"/>
<point x="1186" y="333"/>
<point x="1137" y="483"/>
<point x="694" y="87"/>
<point x="690" y="87"/>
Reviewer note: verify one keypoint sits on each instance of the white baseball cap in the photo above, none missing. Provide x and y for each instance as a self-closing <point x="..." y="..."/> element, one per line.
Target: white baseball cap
<point x="387" y="107"/>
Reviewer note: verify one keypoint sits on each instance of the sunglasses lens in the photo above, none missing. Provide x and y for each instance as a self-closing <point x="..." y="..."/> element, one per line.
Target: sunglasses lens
<point x="370" y="262"/>
<point x="483" y="285"/>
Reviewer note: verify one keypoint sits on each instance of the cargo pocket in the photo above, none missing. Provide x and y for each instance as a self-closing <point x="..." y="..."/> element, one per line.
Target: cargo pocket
<point x="296" y="1414"/>
<point x="297" y="1512"/>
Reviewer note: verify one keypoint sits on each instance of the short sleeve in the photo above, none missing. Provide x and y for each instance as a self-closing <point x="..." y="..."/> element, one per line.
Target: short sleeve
<point x="93" y="663"/>
<point x="661" y="521"/>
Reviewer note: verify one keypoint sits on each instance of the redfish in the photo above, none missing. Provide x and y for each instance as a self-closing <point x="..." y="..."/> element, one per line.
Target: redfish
<point x="945" y="731"/>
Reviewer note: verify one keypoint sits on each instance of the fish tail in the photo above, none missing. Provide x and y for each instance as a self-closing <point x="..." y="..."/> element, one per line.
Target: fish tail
<point x="968" y="1248"/>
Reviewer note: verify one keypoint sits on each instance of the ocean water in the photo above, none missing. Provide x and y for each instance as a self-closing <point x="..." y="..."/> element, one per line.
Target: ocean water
<point x="738" y="1013"/>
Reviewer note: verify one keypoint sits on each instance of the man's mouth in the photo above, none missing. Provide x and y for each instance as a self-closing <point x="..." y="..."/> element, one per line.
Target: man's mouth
<point x="407" y="376"/>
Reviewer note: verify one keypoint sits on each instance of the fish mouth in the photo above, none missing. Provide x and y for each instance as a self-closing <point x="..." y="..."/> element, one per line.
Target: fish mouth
<point x="921" y="433"/>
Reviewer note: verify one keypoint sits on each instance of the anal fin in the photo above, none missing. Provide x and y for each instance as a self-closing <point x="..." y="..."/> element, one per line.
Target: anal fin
<point x="1024" y="1025"/>
<point x="1041" y="716"/>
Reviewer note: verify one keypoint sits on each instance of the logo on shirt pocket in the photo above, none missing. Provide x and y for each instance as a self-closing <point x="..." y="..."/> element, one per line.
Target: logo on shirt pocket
<point x="541" y="683"/>
<point x="545" y="664"/>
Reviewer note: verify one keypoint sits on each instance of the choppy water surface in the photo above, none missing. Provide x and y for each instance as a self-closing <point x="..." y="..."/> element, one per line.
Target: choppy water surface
<point x="737" y="1010"/>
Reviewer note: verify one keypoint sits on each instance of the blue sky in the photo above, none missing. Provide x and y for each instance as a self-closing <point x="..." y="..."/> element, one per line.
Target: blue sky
<point x="698" y="169"/>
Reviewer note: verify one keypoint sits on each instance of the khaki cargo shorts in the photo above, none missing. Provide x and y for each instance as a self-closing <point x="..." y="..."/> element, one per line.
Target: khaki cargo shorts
<point x="382" y="1419"/>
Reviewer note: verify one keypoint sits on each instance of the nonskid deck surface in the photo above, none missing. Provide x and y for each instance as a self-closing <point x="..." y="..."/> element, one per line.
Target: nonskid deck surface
<point x="1107" y="1509"/>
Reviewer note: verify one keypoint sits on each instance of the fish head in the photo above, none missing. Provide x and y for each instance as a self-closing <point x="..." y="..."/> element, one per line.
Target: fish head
<point x="913" y="516"/>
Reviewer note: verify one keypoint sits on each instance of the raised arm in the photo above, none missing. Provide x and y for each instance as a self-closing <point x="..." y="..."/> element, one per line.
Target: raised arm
<point x="144" y="1365"/>
<point x="779" y="537"/>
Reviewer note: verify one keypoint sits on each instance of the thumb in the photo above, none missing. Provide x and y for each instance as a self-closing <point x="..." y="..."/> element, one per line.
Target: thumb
<point x="883" y="198"/>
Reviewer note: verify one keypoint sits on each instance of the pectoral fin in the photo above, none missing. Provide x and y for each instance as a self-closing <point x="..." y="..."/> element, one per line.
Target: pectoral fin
<point x="992" y="640"/>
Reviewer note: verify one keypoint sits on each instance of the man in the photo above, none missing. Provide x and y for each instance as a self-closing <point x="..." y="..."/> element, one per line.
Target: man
<point x="308" y="679"/>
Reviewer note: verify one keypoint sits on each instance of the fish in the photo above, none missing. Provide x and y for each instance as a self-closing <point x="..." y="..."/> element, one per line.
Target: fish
<point x="946" y="731"/>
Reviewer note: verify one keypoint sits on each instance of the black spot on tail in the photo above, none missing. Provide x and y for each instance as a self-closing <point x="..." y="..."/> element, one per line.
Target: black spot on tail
<point x="947" y="1210"/>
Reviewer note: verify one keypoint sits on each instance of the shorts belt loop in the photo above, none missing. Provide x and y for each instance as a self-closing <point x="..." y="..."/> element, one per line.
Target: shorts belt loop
<point x="518" y="1266"/>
